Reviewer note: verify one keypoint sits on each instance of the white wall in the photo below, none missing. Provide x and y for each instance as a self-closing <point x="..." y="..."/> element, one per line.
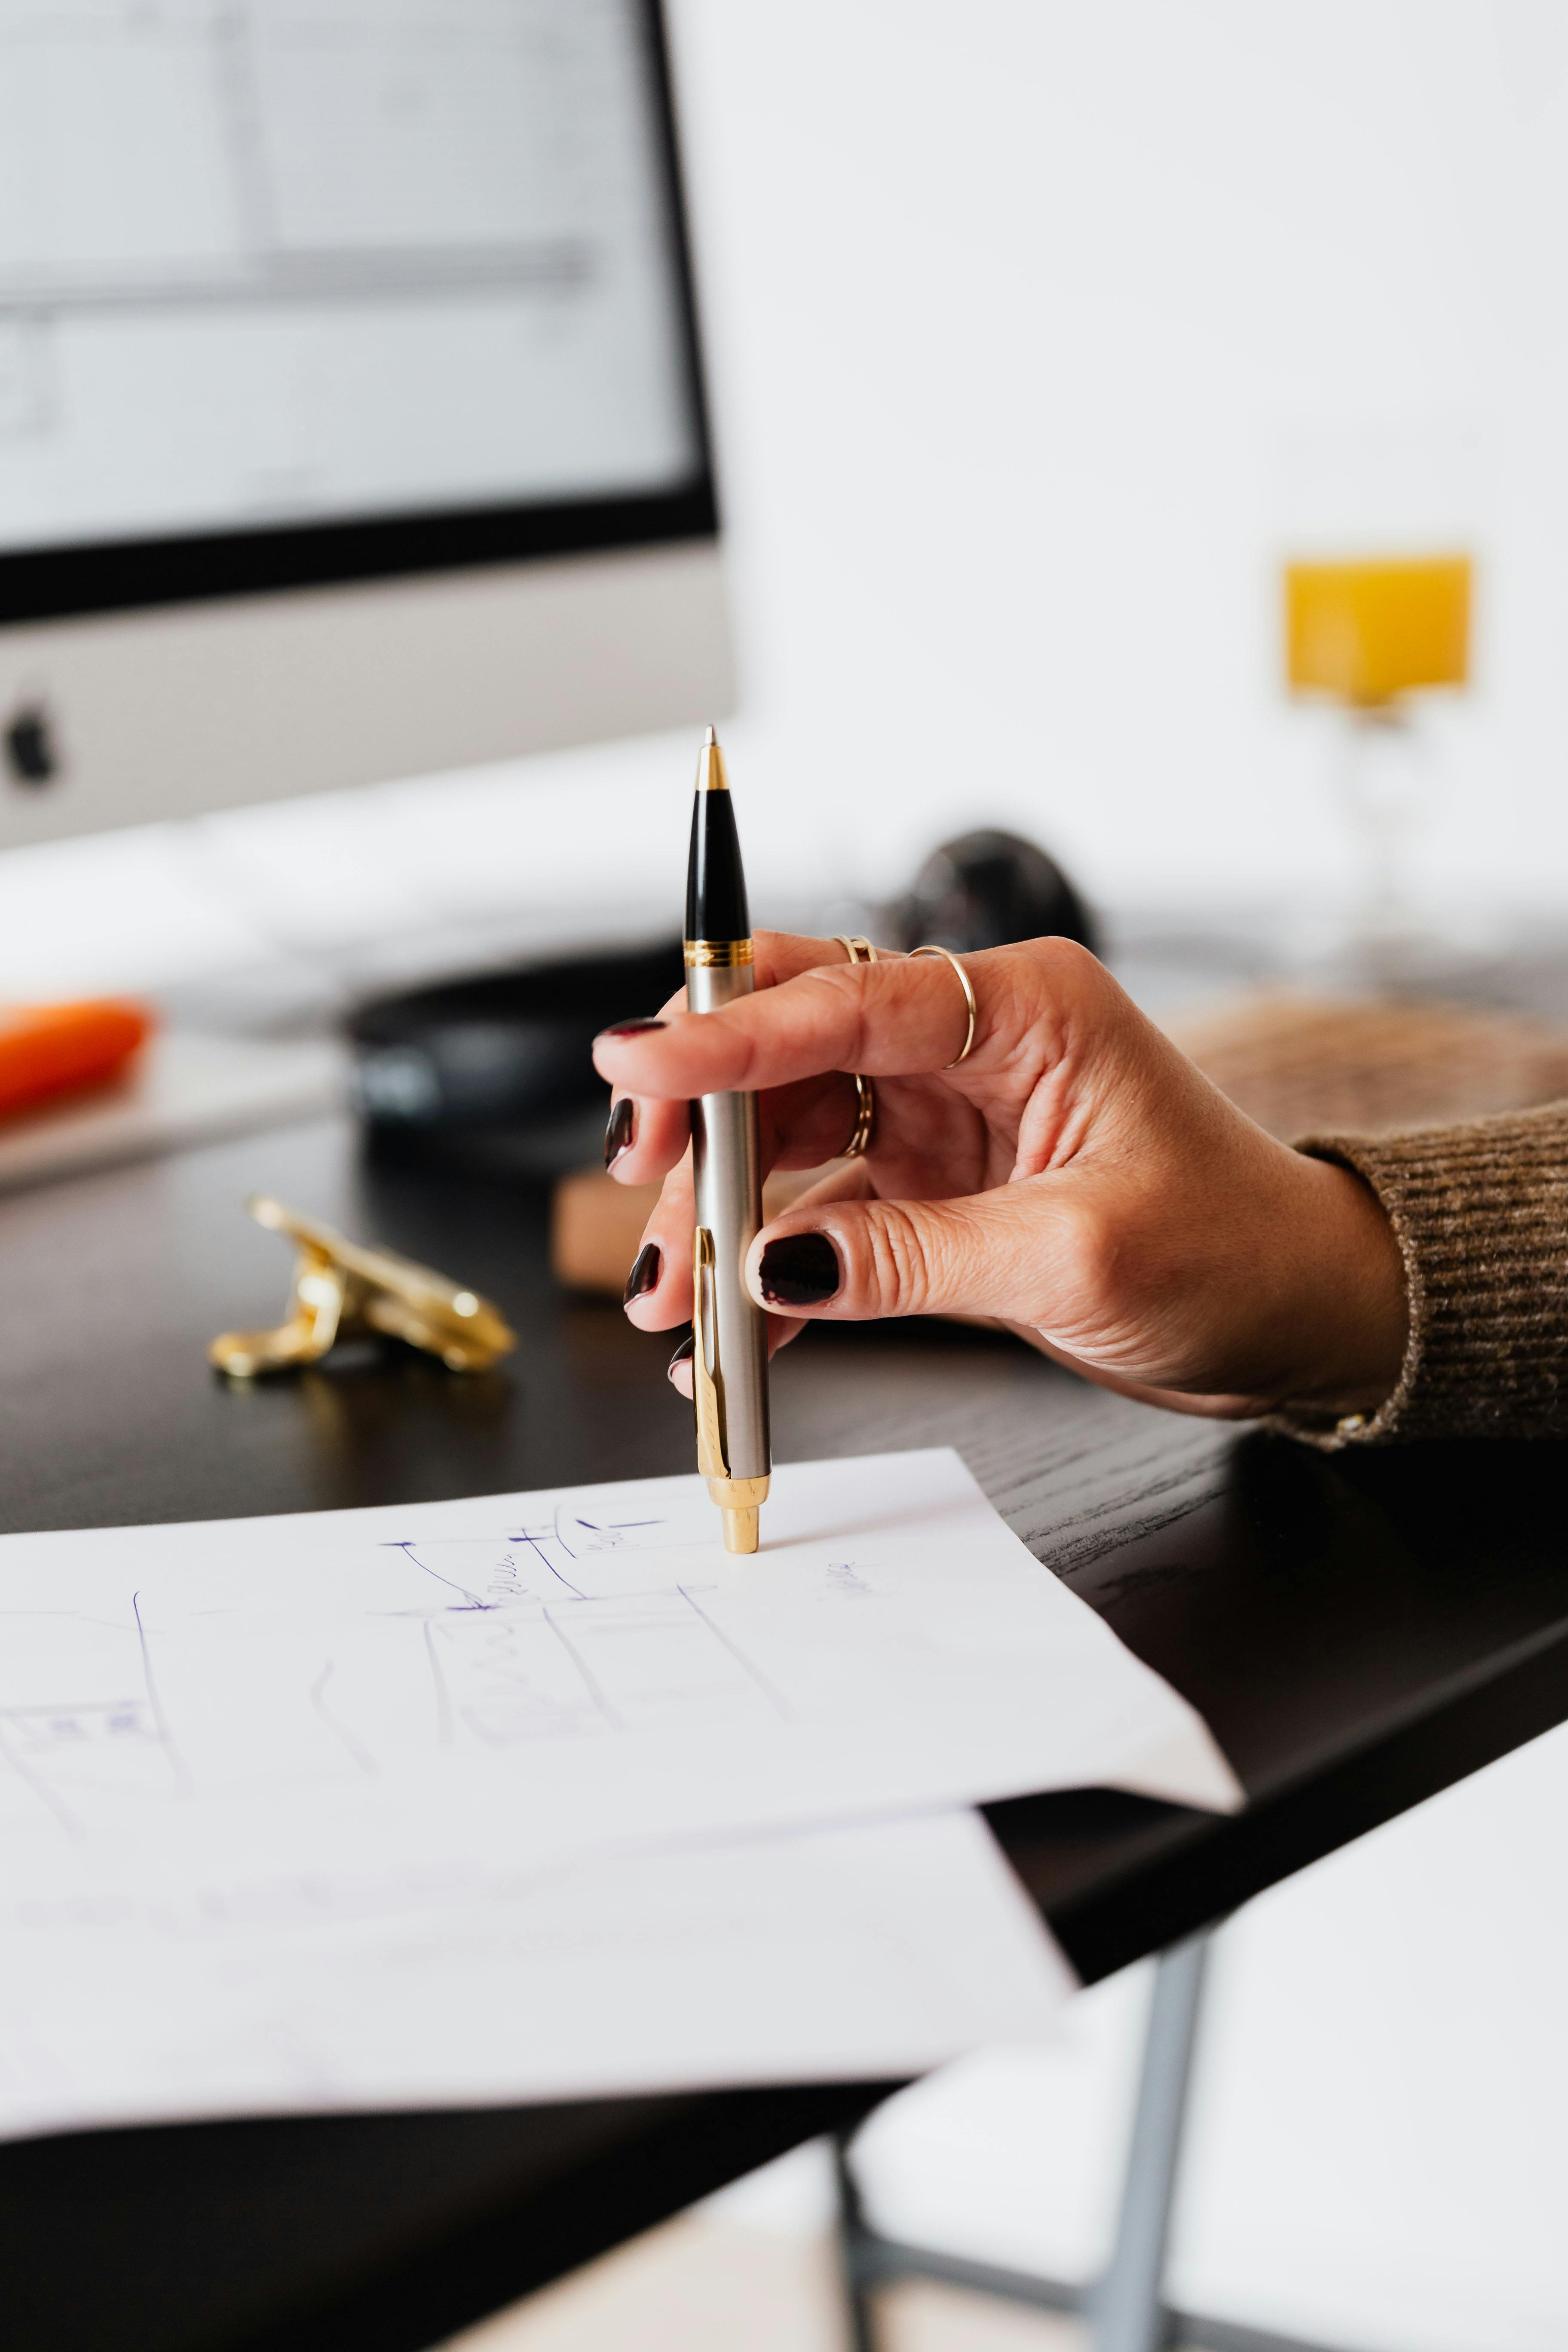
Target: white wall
<point x="1042" y="328"/>
<point x="1037" y="330"/>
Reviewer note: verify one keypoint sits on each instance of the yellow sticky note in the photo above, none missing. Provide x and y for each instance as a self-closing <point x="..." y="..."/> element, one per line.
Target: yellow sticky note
<point x="1366" y="632"/>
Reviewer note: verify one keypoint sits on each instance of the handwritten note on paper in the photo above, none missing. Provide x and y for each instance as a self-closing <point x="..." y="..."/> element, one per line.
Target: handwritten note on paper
<point x="222" y="1711"/>
<point x="264" y="1783"/>
<point x="854" y="1953"/>
<point x="219" y="1713"/>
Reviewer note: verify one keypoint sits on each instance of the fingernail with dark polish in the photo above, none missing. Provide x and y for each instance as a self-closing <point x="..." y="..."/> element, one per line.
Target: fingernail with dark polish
<point x="682" y="1355"/>
<point x="799" y="1270"/>
<point x="622" y="1129"/>
<point x="632" y="1028"/>
<point x="646" y="1268"/>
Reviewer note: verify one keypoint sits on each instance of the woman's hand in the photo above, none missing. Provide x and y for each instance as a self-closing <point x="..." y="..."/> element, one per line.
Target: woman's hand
<point x="1073" y="1177"/>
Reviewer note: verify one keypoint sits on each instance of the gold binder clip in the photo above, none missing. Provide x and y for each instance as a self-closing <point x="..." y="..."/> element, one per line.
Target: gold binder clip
<point x="344" y="1292"/>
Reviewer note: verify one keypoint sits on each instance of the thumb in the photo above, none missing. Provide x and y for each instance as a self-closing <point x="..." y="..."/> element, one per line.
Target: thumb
<point x="854" y="1260"/>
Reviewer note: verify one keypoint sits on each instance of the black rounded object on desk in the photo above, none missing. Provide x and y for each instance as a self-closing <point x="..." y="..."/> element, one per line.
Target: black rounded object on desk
<point x="503" y="1051"/>
<point x="988" y="887"/>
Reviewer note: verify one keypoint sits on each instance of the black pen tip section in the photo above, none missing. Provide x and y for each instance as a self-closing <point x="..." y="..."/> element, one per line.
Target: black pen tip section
<point x="715" y="885"/>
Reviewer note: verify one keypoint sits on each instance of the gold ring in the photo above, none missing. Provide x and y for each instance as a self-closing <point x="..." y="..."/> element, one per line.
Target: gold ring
<point x="859" y="950"/>
<point x="864" y="1118"/>
<point x="948" y="957"/>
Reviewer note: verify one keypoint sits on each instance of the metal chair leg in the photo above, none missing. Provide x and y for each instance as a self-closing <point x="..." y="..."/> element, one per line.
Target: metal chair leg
<point x="1129" y="2308"/>
<point x="1126" y="2311"/>
<point x="855" y="2243"/>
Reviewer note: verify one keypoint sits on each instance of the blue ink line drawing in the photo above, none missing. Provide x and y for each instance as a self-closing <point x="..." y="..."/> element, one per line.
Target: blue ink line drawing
<point x="615" y="1721"/>
<point x="171" y="1749"/>
<point x="774" y="1697"/>
<point x="471" y="1600"/>
<point x="362" y="1755"/>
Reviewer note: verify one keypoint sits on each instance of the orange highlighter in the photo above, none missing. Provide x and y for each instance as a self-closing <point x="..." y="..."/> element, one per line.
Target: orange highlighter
<point x="58" y="1049"/>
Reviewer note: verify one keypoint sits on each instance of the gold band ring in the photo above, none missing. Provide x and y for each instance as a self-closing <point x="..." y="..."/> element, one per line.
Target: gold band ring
<point x="859" y="950"/>
<point x="973" y="1010"/>
<point x="864" y="1118"/>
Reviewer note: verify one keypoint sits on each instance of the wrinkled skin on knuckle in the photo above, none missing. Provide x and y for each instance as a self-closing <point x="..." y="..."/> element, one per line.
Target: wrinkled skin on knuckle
<point x="1072" y="1033"/>
<point x="1074" y="985"/>
<point x="899" y="1274"/>
<point x="1021" y="1002"/>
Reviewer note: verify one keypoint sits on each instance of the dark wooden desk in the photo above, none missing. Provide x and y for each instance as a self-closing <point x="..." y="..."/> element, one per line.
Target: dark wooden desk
<point x="1360" y="1631"/>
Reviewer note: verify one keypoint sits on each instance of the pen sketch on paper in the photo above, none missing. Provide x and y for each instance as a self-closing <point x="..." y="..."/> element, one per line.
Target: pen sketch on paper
<point x="83" y="1743"/>
<point x="507" y="1681"/>
<point x="567" y="1629"/>
<point x="525" y="1797"/>
<point x="562" y="1628"/>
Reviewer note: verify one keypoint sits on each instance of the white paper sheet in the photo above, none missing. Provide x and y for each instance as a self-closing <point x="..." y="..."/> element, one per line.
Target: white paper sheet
<point x="856" y="1952"/>
<point x="215" y="1710"/>
<point x="507" y="1798"/>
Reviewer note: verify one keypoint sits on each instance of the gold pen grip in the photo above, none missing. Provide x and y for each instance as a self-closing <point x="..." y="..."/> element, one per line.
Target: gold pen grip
<point x="717" y="955"/>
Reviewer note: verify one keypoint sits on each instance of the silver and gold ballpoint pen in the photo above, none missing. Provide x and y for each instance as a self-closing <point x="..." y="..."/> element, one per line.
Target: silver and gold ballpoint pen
<point x="728" y="1330"/>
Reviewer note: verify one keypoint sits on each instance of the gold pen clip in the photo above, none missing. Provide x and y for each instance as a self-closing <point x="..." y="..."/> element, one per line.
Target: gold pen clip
<point x="739" y="1499"/>
<point x="707" y="1390"/>
<point x="344" y="1292"/>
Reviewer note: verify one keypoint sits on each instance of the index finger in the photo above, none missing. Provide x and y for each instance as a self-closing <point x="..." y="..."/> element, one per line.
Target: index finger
<point x="648" y="1135"/>
<point x="896" y="1017"/>
<point x="779" y="956"/>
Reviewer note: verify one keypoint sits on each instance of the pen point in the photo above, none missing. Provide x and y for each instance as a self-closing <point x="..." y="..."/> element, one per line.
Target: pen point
<point x="710" y="776"/>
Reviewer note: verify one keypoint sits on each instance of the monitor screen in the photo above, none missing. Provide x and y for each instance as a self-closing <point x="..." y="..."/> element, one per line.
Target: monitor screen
<point x="310" y="290"/>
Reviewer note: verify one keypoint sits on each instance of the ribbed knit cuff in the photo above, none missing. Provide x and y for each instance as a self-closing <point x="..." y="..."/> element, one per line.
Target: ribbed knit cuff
<point x="1481" y="1213"/>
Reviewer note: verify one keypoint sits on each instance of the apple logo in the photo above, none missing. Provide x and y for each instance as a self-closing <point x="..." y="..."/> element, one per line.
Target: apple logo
<point x="32" y="754"/>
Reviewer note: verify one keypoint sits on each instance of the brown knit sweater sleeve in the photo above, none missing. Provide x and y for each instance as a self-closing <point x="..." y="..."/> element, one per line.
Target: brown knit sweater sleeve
<point x="1480" y="1212"/>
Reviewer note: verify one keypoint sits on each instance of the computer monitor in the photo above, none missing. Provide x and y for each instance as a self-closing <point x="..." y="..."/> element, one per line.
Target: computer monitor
<point x="351" y="414"/>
